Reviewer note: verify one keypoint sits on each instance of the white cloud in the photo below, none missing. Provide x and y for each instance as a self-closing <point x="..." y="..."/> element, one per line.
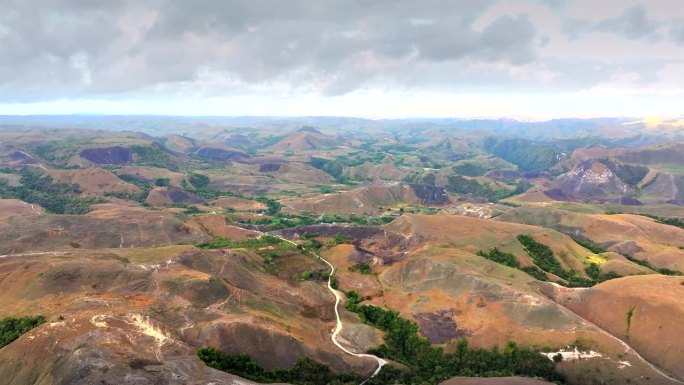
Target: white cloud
<point x="496" y="56"/>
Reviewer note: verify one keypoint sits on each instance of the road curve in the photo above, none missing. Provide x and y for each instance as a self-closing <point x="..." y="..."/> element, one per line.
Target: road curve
<point x="628" y="348"/>
<point x="338" y="327"/>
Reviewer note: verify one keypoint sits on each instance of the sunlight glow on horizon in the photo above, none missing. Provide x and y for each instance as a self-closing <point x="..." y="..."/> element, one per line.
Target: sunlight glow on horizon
<point x="373" y="105"/>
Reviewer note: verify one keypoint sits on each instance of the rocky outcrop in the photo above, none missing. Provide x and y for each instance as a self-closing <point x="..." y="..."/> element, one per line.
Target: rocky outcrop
<point x="589" y="180"/>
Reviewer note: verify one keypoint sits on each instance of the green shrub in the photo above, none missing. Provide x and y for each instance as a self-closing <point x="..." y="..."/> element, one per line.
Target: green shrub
<point x="360" y="267"/>
<point x="162" y="182"/>
<point x="501" y="257"/>
<point x="589" y="245"/>
<point x="12" y="328"/>
<point x="340" y="239"/>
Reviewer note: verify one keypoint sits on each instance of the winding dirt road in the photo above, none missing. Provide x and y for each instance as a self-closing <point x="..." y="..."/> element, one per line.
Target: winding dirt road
<point x="338" y="327"/>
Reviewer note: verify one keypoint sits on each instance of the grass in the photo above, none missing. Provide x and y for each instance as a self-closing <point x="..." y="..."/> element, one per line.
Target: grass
<point x="154" y="254"/>
<point x="596" y="259"/>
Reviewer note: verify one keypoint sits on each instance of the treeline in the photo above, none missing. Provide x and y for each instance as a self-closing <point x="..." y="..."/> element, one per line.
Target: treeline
<point x="251" y="243"/>
<point x="677" y="222"/>
<point x="13" y="328"/>
<point x="543" y="257"/>
<point x="284" y="221"/>
<point x="431" y="365"/>
<point x="305" y="371"/>
<point x="645" y="263"/>
<point x="591" y="270"/>
<point x="545" y="263"/>
<point x="56" y="198"/>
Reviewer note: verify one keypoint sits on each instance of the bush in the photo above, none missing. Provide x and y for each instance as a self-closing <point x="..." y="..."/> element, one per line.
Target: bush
<point x="340" y="239"/>
<point x="501" y="257"/>
<point x="192" y="210"/>
<point x="589" y="245"/>
<point x="535" y="272"/>
<point x="593" y="270"/>
<point x="361" y="267"/>
<point x="162" y="182"/>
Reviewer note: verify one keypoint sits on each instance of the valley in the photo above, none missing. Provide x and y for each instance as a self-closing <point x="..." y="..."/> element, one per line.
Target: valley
<point x="338" y="251"/>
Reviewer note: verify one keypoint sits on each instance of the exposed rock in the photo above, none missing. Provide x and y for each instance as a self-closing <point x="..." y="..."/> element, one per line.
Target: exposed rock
<point x="589" y="180"/>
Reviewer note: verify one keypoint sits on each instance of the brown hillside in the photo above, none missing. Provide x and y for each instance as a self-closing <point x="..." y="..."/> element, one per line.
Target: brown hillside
<point x="145" y="312"/>
<point x="369" y="199"/>
<point x="161" y="196"/>
<point x="94" y="181"/>
<point x="304" y="139"/>
<point x="645" y="311"/>
<point x="631" y="235"/>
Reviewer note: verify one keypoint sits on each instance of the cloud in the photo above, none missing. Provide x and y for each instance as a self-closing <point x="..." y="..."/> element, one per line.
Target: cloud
<point x="72" y="47"/>
<point x="632" y="24"/>
<point x="164" y="48"/>
<point x="677" y="32"/>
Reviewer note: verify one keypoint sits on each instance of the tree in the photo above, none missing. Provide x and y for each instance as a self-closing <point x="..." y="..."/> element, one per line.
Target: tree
<point x="162" y="182"/>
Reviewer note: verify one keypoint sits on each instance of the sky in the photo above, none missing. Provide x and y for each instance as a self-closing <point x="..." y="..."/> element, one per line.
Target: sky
<point x="525" y="59"/>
